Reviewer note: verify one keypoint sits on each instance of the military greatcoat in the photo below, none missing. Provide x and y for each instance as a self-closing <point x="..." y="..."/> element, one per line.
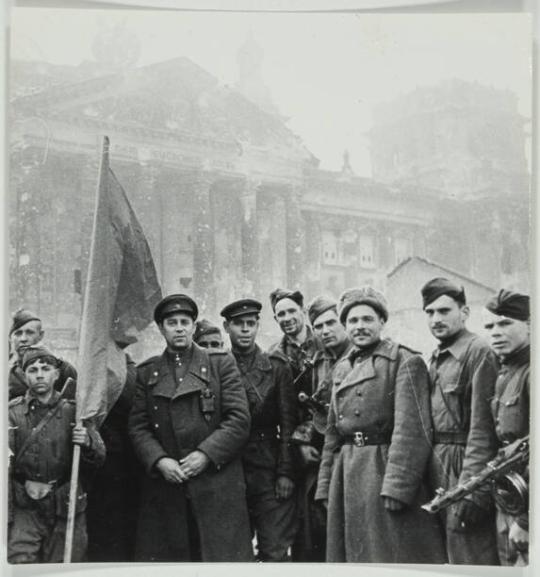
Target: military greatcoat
<point x="384" y="395"/>
<point x="206" y="410"/>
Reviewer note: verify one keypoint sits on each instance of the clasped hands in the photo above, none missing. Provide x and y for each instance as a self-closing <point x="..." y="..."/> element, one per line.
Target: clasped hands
<point x="179" y="471"/>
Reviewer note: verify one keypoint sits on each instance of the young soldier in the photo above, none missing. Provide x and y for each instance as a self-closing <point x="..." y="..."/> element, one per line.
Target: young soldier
<point x="207" y="335"/>
<point x="377" y="446"/>
<point x="507" y="322"/>
<point x="188" y="425"/>
<point x="267" y="458"/>
<point x="463" y="370"/>
<point x="41" y="438"/>
<point x="310" y="544"/>
<point x="26" y="331"/>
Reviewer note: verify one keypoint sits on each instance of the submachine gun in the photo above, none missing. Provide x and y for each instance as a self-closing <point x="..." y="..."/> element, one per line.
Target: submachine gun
<point x="510" y="489"/>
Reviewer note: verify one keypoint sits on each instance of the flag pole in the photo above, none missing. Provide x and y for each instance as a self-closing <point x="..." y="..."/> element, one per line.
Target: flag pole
<point x="74" y="481"/>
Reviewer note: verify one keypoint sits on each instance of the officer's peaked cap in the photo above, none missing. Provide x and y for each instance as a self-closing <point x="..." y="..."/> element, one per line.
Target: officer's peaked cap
<point x="241" y="307"/>
<point x="177" y="303"/>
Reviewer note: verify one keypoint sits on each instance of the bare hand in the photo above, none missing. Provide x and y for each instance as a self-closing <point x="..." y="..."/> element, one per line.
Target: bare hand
<point x="391" y="504"/>
<point x="284" y="488"/>
<point x="171" y="470"/>
<point x="195" y="463"/>
<point x="309" y="454"/>
<point x="80" y="436"/>
<point x="519" y="536"/>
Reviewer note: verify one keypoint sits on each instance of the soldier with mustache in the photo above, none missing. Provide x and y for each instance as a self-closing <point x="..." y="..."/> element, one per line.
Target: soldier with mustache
<point x="463" y="371"/>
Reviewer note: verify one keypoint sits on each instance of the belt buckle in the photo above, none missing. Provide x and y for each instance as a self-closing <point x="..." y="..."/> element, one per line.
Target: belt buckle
<point x="358" y="439"/>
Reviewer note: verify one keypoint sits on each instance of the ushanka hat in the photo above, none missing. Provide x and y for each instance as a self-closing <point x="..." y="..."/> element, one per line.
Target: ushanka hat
<point x="365" y="295"/>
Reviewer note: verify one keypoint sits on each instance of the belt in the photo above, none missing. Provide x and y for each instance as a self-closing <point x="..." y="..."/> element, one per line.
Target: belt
<point x="362" y="438"/>
<point x="450" y="438"/>
<point x="264" y="434"/>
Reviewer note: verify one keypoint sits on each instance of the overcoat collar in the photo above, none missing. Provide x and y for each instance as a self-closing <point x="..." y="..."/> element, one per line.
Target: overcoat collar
<point x="365" y="370"/>
<point x="196" y="379"/>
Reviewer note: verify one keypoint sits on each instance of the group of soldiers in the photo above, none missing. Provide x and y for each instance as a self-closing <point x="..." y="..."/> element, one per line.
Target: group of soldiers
<point x="322" y="448"/>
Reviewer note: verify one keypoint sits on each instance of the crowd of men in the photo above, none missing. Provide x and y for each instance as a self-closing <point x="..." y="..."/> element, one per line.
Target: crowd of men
<point x="323" y="448"/>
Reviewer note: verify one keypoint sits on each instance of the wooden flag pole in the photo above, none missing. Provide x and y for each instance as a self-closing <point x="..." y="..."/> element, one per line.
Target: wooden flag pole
<point x="70" y="526"/>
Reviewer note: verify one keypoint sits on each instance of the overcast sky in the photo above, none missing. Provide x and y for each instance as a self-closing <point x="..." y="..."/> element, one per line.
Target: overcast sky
<point x="324" y="71"/>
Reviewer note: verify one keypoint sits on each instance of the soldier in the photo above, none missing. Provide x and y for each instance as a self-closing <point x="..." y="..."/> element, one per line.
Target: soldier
<point x="507" y="322"/>
<point x="26" y="331"/>
<point x="267" y="458"/>
<point x="189" y="423"/>
<point x="41" y="439"/>
<point x="377" y="446"/>
<point x="310" y="544"/>
<point x="298" y="343"/>
<point x="208" y="335"/>
<point x="113" y="490"/>
<point x="463" y="370"/>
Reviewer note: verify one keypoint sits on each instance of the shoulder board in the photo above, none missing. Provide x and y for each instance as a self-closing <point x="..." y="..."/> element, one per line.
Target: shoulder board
<point x="212" y="352"/>
<point x="277" y="354"/>
<point x="149" y="361"/>
<point x="16" y="401"/>
<point x="408" y="349"/>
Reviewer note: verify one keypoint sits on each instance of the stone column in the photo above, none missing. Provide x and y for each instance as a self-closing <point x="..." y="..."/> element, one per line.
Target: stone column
<point x="250" y="245"/>
<point x="295" y="237"/>
<point x="203" y="243"/>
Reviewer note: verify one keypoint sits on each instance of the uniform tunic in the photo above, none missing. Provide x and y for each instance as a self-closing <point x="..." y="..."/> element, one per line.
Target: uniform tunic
<point x="202" y="406"/>
<point x="310" y="544"/>
<point x="267" y="456"/>
<point x="382" y="392"/>
<point x="511" y="412"/>
<point x="37" y="532"/>
<point x="463" y="378"/>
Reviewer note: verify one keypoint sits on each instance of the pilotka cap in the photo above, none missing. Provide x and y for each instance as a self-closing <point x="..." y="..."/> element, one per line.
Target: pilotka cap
<point x="510" y="304"/>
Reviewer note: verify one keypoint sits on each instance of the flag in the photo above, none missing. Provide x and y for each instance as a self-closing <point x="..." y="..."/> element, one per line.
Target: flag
<point x="121" y="292"/>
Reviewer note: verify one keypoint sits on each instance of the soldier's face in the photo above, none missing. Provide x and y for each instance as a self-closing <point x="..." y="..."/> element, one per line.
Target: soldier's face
<point x="242" y="331"/>
<point x="41" y="376"/>
<point x="505" y="335"/>
<point x="178" y="331"/>
<point x="446" y="317"/>
<point x="364" y="326"/>
<point x="290" y="317"/>
<point x="211" y="341"/>
<point x="26" y="336"/>
<point x="329" y="330"/>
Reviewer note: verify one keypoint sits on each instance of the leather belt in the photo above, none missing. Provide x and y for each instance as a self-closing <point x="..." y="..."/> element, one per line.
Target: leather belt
<point x="450" y="438"/>
<point x="363" y="438"/>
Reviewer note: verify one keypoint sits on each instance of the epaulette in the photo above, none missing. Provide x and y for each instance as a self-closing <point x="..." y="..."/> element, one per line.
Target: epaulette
<point x="16" y="401"/>
<point x="148" y="361"/>
<point x="409" y="349"/>
<point x="277" y="354"/>
<point x="217" y="352"/>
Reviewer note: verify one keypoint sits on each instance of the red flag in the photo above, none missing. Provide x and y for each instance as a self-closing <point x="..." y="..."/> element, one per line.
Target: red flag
<point x="120" y="295"/>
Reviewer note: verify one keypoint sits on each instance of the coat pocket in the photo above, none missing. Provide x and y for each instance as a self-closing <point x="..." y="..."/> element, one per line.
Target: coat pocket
<point x="61" y="496"/>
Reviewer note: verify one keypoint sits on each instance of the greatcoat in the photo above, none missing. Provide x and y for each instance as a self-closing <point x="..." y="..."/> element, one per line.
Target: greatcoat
<point x="206" y="411"/>
<point x="384" y="393"/>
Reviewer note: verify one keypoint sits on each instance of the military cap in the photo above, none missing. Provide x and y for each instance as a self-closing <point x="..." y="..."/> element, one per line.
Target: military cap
<point x="205" y="327"/>
<point x="280" y="294"/>
<point x="177" y="303"/>
<point x="241" y="307"/>
<point x="21" y="317"/>
<point x="36" y="352"/>
<point x="365" y="295"/>
<point x="437" y="287"/>
<point x="320" y="305"/>
<point x="509" y="304"/>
